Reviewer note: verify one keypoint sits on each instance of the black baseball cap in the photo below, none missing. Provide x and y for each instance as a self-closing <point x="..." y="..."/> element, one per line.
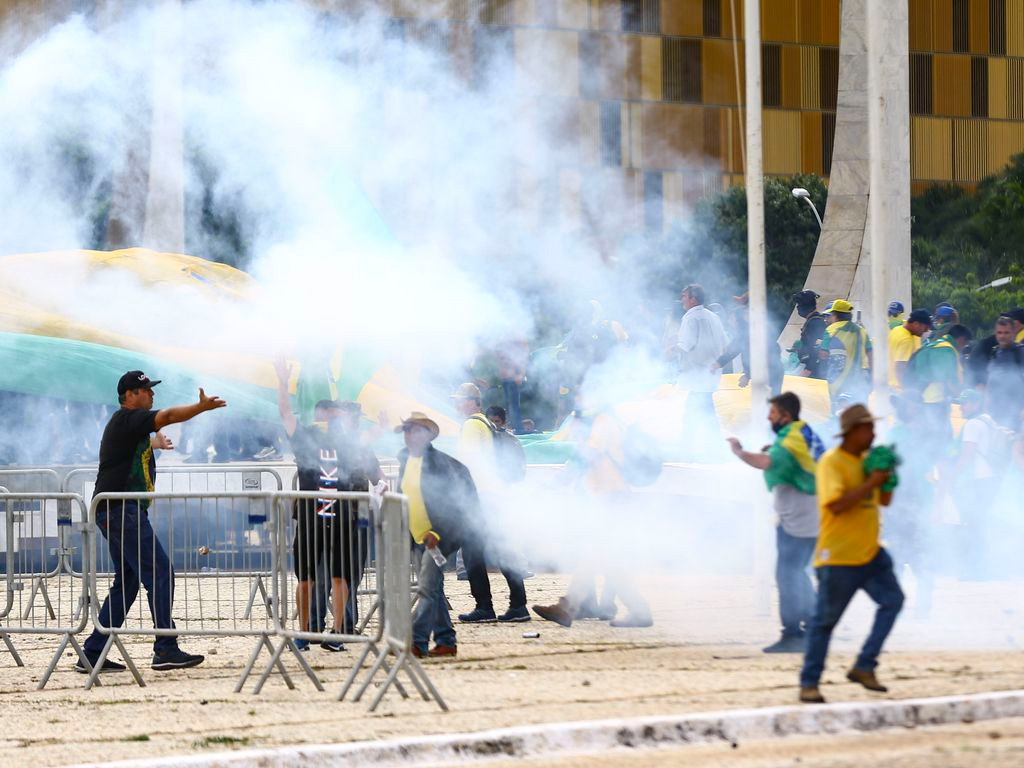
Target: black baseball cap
<point x="805" y="298"/>
<point x="920" y="316"/>
<point x="134" y="380"/>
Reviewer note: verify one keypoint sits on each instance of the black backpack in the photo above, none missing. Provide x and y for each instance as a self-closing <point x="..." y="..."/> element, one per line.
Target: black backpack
<point x="509" y="456"/>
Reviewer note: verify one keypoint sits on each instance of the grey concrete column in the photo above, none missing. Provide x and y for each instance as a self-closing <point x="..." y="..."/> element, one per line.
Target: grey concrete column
<point x="841" y="266"/>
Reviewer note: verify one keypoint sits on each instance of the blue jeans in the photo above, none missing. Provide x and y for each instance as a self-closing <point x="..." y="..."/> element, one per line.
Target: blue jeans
<point x="431" y="615"/>
<point x="796" y="593"/>
<point x="137" y="556"/>
<point x="837" y="584"/>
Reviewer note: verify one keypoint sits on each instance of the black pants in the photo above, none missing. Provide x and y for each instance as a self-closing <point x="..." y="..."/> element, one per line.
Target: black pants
<point x="480" y="584"/>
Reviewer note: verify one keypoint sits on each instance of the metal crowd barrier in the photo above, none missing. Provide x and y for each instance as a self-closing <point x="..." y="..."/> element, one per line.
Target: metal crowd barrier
<point x="64" y="610"/>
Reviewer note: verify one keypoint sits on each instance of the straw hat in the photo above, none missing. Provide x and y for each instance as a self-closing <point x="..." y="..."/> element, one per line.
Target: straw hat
<point x="419" y="419"/>
<point x="854" y="416"/>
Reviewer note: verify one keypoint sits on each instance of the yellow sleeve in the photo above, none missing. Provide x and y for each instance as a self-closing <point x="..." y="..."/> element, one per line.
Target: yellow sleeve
<point x="903" y="348"/>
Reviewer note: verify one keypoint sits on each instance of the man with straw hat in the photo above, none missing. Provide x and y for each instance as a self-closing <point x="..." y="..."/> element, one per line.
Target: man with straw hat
<point x="442" y="500"/>
<point x="848" y="556"/>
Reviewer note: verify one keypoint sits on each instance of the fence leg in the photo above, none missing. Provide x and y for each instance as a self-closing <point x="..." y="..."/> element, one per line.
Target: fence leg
<point x="355" y="672"/>
<point x="83" y="603"/>
<point x="392" y="678"/>
<point x="53" y="662"/>
<point x="128" y="661"/>
<point x="38" y="586"/>
<point x="367" y="617"/>
<point x="257" y="586"/>
<point x="94" y="675"/>
<point x="413" y="666"/>
<point x="381" y="660"/>
<point x="275" y="660"/>
<point x="12" y="649"/>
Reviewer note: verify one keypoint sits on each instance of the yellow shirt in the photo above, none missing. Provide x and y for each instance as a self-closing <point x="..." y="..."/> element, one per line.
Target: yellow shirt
<point x="902" y="344"/>
<point x="476" y="451"/>
<point x="849" y="538"/>
<point x="605" y="448"/>
<point x="419" y="521"/>
<point x="1020" y="337"/>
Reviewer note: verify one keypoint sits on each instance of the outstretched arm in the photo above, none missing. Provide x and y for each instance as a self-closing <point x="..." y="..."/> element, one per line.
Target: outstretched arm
<point x="284" y="405"/>
<point x="755" y="460"/>
<point x="179" y="413"/>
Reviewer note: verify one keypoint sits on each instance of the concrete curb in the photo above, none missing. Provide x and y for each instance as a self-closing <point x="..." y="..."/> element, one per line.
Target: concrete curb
<point x="563" y="739"/>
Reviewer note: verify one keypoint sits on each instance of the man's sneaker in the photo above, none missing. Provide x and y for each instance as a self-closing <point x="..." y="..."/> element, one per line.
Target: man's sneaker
<point x="302" y="645"/>
<point x="443" y="650"/>
<point x="108" y="666"/>
<point x="790" y="644"/>
<point x="515" y="615"/>
<point x="418" y="652"/>
<point x="176" y="659"/>
<point x="558" y="613"/>
<point x="334" y="646"/>
<point x="478" y="616"/>
<point x="866" y="678"/>
<point x="811" y="695"/>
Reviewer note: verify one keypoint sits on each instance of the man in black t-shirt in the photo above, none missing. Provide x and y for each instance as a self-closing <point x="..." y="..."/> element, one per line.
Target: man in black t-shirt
<point x="329" y="456"/>
<point x="127" y="465"/>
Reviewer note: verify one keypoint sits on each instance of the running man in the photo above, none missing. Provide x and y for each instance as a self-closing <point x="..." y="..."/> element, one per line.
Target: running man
<point x="848" y="557"/>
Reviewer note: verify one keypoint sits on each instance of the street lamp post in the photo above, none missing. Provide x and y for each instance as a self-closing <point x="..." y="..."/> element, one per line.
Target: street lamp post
<point x="802" y="194"/>
<point x="999" y="282"/>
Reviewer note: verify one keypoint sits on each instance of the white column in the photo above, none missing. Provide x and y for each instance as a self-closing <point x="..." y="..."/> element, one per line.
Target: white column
<point x="889" y="160"/>
<point x="755" y="213"/>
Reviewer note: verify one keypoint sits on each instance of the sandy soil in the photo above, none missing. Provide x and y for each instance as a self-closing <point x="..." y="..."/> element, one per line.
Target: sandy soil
<point x="703" y="654"/>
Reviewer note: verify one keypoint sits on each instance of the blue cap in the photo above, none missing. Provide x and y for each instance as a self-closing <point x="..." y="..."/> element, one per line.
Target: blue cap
<point x="945" y="311"/>
<point x="895" y="308"/>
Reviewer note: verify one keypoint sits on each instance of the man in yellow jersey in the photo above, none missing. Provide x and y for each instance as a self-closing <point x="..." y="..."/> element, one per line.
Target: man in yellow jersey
<point x="904" y="341"/>
<point x="477" y="451"/>
<point x="442" y="498"/>
<point x="1017" y="315"/>
<point x="848" y="556"/>
<point x="846" y="355"/>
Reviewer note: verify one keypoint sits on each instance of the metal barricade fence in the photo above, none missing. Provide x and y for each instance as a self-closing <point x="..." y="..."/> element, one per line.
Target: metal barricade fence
<point x="63" y="609"/>
<point x="220" y="602"/>
<point x="189" y="478"/>
<point x="232" y="533"/>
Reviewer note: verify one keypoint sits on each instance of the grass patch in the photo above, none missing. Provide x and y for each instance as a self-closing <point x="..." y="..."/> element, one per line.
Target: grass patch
<point x="139" y="737"/>
<point x="221" y="741"/>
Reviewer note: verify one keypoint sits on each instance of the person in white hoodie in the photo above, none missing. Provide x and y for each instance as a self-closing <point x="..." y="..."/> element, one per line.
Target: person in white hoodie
<point x="699" y="344"/>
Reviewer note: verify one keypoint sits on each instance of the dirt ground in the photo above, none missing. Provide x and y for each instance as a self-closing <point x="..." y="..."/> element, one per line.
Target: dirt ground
<point x="703" y="654"/>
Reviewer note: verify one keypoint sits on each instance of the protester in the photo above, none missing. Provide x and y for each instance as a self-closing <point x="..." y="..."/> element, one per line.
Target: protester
<point x="699" y="345"/>
<point x="498" y="417"/>
<point x="1004" y="376"/>
<point x="1017" y="315"/>
<point x="477" y="451"/>
<point x="846" y="354"/>
<point x="127" y="465"/>
<point x="739" y="345"/>
<point x="982" y="454"/>
<point x="849" y="557"/>
<point x="936" y="372"/>
<point x="789" y="473"/>
<point x="904" y="341"/>
<point x="895" y="314"/>
<point x="944" y="317"/>
<point x="328" y="458"/>
<point x="811" y="334"/>
<point x="603" y="488"/>
<point x="442" y="501"/>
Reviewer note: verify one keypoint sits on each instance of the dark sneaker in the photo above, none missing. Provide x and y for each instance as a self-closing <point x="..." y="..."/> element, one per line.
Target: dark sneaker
<point x="478" y="616"/>
<point x="176" y="659"/>
<point x="334" y="646"/>
<point x="515" y="615"/>
<point x="302" y="645"/>
<point x="108" y="666"/>
<point x="811" y="695"/>
<point x="558" y="613"/>
<point x="791" y="644"/>
<point x="443" y="650"/>
<point x="867" y="679"/>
